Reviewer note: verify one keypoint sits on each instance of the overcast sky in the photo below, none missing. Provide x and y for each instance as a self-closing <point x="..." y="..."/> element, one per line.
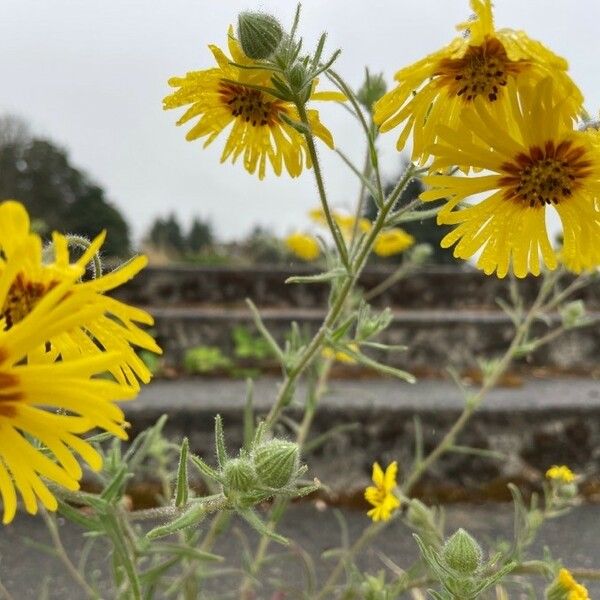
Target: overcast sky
<point x="91" y="74"/>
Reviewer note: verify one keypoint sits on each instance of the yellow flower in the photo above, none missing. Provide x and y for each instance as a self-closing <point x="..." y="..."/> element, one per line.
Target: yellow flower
<point x="51" y="403"/>
<point x="392" y="241"/>
<point x="222" y="96"/>
<point x="114" y="329"/>
<point x="344" y="221"/>
<point x="537" y="161"/>
<point x="381" y="495"/>
<point x="560" y="474"/>
<point x="340" y="355"/>
<point x="304" y="246"/>
<point x="566" y="586"/>
<point x="485" y="64"/>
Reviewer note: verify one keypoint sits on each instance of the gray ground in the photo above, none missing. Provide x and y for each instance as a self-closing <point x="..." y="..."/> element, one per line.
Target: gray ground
<point x="25" y="570"/>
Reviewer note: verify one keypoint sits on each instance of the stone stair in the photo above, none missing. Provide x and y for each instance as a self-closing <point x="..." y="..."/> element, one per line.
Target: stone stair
<point x="444" y="315"/>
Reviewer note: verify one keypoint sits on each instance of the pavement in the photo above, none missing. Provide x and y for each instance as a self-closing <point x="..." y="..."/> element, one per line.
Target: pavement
<point x="26" y="570"/>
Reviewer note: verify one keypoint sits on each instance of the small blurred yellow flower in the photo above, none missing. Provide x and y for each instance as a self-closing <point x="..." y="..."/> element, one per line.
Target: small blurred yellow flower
<point x="392" y="241"/>
<point x="566" y="588"/>
<point x="340" y="355"/>
<point x="561" y="474"/>
<point x="304" y="246"/>
<point x="344" y="221"/>
<point x="381" y="495"/>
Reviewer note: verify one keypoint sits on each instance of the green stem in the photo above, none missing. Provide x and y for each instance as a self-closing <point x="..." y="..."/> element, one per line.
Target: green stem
<point x="357" y="266"/>
<point x="368" y="130"/>
<point x="64" y="557"/>
<point x="312" y="151"/>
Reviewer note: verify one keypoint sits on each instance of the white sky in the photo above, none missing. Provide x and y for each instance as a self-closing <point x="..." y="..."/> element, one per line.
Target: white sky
<point x="91" y="74"/>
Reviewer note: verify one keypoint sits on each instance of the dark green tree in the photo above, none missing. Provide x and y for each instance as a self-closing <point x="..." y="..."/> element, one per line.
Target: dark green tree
<point x="61" y="197"/>
<point x="426" y="231"/>
<point x="166" y="234"/>
<point x="200" y="236"/>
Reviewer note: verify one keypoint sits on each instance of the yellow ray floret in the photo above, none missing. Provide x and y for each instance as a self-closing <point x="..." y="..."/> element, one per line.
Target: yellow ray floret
<point x="224" y="97"/>
<point x="54" y="403"/>
<point x="381" y="495"/>
<point x="537" y="163"/>
<point x="485" y="64"/>
<point x="115" y="329"/>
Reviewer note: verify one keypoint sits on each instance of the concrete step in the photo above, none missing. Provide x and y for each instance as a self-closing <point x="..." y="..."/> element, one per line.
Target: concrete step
<point x="452" y="287"/>
<point x="532" y="425"/>
<point x="26" y="570"/>
<point x="435" y="338"/>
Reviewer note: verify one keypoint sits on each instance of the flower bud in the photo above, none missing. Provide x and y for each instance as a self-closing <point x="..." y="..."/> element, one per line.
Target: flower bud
<point x="276" y="462"/>
<point x="462" y="553"/>
<point x="297" y="76"/>
<point x="240" y="475"/>
<point x="572" y="314"/>
<point x="259" y="34"/>
<point x="371" y="90"/>
<point x="421" y="253"/>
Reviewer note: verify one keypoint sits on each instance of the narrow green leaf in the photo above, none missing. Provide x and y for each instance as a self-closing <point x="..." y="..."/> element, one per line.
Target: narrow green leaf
<point x="195" y="515"/>
<point x="115" y="488"/>
<point x="249" y="415"/>
<point x="255" y="522"/>
<point x="76" y="516"/>
<point x="205" y="469"/>
<point x="182" y="491"/>
<point x="335" y="273"/>
<point x="297" y="125"/>
<point x="220" y="442"/>
<point x="184" y="552"/>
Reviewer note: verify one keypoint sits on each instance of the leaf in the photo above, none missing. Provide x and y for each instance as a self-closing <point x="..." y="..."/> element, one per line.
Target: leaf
<point x="76" y="516"/>
<point x="193" y="516"/>
<point x="255" y="522"/>
<point x="220" y="442"/>
<point x="183" y="552"/>
<point x="205" y="469"/>
<point x="249" y="415"/>
<point x="335" y="273"/>
<point x="182" y="486"/>
<point x="115" y="488"/>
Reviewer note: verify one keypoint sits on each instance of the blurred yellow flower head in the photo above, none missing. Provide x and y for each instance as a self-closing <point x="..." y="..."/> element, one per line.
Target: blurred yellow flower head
<point x="304" y="246"/>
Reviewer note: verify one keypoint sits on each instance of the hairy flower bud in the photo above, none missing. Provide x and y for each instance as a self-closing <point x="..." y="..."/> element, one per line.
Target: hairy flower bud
<point x="297" y="76"/>
<point x="371" y="90"/>
<point x="276" y="462"/>
<point x="572" y="314"/>
<point x="240" y="475"/>
<point x="259" y="34"/>
<point x="462" y="553"/>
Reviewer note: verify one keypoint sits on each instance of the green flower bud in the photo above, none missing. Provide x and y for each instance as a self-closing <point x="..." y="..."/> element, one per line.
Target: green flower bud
<point x="297" y="76"/>
<point x="276" y="462"/>
<point x="572" y="313"/>
<point x="240" y="475"/>
<point x="462" y="553"/>
<point x="371" y="90"/>
<point x="259" y="34"/>
<point x="421" y="253"/>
